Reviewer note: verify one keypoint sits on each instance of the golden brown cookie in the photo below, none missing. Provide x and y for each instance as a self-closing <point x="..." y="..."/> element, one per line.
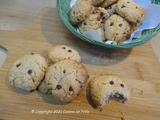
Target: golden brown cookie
<point x="27" y="72"/>
<point x="117" y="28"/>
<point x="130" y="11"/>
<point x="93" y="22"/>
<point x="65" y="80"/>
<point x="63" y="52"/>
<point x="80" y="11"/>
<point x="107" y="87"/>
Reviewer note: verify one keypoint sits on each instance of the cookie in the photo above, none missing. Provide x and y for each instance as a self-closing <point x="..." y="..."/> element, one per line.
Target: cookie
<point x="107" y="3"/>
<point x="63" y="52"/>
<point x="93" y="22"/>
<point x="97" y="2"/>
<point x="65" y="80"/>
<point x="107" y="87"/>
<point x="80" y="11"/>
<point x="112" y="9"/>
<point x="27" y="72"/>
<point x="131" y="11"/>
<point x="117" y="28"/>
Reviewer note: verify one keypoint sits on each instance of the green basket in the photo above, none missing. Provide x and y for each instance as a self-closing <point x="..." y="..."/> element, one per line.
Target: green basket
<point x="63" y="8"/>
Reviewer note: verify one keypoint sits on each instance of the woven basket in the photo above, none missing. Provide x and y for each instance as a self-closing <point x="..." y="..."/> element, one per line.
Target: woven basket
<point x="63" y="8"/>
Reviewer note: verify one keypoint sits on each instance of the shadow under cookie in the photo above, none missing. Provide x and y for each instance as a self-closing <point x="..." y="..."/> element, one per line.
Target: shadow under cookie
<point x="50" y="98"/>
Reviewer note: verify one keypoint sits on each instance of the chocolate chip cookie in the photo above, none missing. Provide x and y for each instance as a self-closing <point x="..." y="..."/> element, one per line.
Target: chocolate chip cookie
<point x="93" y="22"/>
<point x="27" y="72"/>
<point x="130" y="11"/>
<point x="80" y="11"/>
<point x="65" y="80"/>
<point x="107" y="87"/>
<point x="63" y="52"/>
<point x="117" y="28"/>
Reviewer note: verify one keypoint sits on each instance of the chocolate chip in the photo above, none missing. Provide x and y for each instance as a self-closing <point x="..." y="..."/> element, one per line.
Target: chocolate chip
<point x="32" y="53"/>
<point x="120" y="25"/>
<point x="128" y="2"/>
<point x="112" y="23"/>
<point x="123" y="6"/>
<point x="78" y="20"/>
<point x="102" y="14"/>
<point x="63" y="48"/>
<point x="18" y="65"/>
<point x="136" y="7"/>
<point x="70" y="88"/>
<point x="138" y="21"/>
<point x="81" y="86"/>
<point x="58" y="87"/>
<point x="69" y="50"/>
<point x="85" y="23"/>
<point x="64" y="71"/>
<point x="122" y="85"/>
<point x="111" y="82"/>
<point x="29" y="72"/>
<point x="103" y="18"/>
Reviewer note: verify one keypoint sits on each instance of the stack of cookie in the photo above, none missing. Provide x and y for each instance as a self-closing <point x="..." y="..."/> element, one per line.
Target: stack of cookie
<point x="65" y="78"/>
<point x="114" y="20"/>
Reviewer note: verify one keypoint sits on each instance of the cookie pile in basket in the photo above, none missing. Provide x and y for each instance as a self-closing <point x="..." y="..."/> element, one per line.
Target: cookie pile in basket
<point x="114" y="20"/>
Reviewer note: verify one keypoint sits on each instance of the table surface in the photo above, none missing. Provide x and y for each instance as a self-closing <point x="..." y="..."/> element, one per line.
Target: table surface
<point x="34" y="26"/>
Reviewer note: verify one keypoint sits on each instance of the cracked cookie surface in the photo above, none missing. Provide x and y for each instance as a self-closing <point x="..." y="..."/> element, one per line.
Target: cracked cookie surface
<point x="63" y="52"/>
<point x="27" y="72"/>
<point x="65" y="80"/>
<point x="106" y="87"/>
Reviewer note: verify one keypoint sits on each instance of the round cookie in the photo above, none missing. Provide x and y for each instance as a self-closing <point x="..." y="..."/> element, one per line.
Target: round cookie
<point x="130" y="11"/>
<point x="80" y="11"/>
<point x="65" y="80"/>
<point x="107" y="3"/>
<point x="27" y="72"/>
<point x="63" y="52"/>
<point x="93" y="22"/>
<point x="117" y="28"/>
<point x="106" y="87"/>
